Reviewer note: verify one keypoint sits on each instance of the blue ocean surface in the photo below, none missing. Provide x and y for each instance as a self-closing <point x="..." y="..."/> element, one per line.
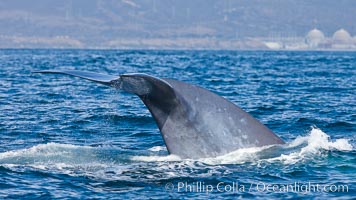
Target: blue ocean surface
<point x="64" y="137"/>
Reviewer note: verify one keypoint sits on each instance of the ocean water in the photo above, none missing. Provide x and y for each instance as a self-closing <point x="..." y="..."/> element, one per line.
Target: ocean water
<point x="63" y="137"/>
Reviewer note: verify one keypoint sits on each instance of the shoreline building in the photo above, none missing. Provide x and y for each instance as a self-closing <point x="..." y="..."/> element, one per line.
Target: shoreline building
<point x="342" y="39"/>
<point x="315" y="38"/>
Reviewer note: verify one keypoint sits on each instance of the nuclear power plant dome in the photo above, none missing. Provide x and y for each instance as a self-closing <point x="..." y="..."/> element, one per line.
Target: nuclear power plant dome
<point x="342" y="37"/>
<point x="315" y="34"/>
<point x="314" y="38"/>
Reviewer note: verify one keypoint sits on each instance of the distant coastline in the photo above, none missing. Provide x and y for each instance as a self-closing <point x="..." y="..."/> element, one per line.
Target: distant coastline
<point x="314" y="41"/>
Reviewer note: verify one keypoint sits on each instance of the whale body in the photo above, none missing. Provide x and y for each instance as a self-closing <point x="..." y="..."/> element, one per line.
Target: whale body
<point x="194" y="122"/>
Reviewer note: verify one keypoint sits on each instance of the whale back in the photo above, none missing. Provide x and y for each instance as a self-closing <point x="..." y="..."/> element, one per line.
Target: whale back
<point x="208" y="125"/>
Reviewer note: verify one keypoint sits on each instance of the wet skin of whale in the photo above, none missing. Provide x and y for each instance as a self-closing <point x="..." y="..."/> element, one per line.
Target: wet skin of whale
<point x="194" y="122"/>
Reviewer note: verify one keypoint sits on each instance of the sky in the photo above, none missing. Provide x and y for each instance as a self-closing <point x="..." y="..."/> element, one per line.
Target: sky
<point x="107" y="23"/>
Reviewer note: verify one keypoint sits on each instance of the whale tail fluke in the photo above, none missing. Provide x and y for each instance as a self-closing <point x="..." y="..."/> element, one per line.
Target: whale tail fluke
<point x="136" y="83"/>
<point x="99" y="78"/>
<point x="194" y="122"/>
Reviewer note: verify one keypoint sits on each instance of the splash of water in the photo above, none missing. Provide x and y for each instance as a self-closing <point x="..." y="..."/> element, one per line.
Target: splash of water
<point x="63" y="156"/>
<point x="317" y="142"/>
<point x="303" y="147"/>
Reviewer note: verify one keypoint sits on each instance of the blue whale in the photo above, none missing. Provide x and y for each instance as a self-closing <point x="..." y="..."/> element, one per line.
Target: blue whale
<point x="194" y="122"/>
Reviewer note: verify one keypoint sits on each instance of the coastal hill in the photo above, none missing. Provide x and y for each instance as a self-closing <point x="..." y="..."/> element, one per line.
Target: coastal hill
<point x="198" y="24"/>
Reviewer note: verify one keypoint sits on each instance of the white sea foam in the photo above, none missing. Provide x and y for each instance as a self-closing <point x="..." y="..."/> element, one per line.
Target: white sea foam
<point x="49" y="149"/>
<point x="157" y="158"/>
<point x="53" y="156"/>
<point x="71" y="157"/>
<point x="157" y="148"/>
<point x="316" y="142"/>
<point x="237" y="157"/>
<point x="301" y="148"/>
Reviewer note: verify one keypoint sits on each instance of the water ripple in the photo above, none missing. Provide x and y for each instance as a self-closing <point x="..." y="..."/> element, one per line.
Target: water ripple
<point x="64" y="137"/>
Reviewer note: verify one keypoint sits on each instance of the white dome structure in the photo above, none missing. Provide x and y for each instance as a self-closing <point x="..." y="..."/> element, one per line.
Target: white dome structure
<point x="342" y="37"/>
<point x="314" y="38"/>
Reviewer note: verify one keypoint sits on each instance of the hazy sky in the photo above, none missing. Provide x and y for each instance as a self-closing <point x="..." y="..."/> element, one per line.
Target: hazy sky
<point x="99" y="21"/>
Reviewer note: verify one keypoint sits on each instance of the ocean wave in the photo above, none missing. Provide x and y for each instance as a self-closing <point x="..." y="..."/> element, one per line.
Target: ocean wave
<point x="67" y="156"/>
<point x="63" y="157"/>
